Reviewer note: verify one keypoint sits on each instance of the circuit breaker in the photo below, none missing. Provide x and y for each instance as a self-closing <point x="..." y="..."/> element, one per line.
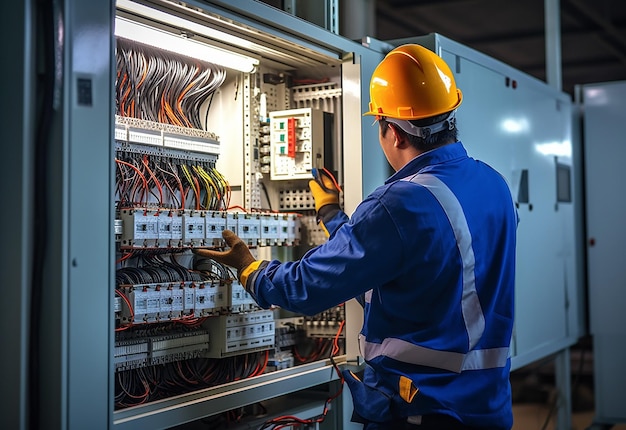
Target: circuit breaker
<point x="296" y="143"/>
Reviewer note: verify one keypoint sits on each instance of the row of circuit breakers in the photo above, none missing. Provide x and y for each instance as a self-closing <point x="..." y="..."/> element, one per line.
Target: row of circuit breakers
<point x="232" y="320"/>
<point x="159" y="228"/>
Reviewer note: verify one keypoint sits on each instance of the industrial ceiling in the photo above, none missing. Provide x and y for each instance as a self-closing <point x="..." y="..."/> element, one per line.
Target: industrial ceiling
<point x="593" y="32"/>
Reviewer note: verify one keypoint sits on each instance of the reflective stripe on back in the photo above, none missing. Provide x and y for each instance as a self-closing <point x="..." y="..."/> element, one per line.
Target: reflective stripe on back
<point x="473" y="317"/>
<point x="470" y="304"/>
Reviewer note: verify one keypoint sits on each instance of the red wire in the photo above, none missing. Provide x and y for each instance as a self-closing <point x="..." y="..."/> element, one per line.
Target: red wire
<point x="336" y="340"/>
<point x="261" y="366"/>
<point x="295" y="420"/>
<point x="332" y="178"/>
<point x="180" y="187"/>
<point x="125" y="257"/>
<point x="238" y="207"/>
<point x="196" y="190"/>
<point x="130" y="307"/>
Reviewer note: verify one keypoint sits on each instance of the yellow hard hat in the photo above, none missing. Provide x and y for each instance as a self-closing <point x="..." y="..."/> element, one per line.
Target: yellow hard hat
<point x="412" y="82"/>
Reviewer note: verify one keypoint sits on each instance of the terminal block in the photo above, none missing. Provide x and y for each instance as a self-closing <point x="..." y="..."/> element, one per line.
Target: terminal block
<point x="326" y="324"/>
<point x="271" y="226"/>
<point x="238" y="334"/>
<point x="194" y="228"/>
<point x="248" y="227"/>
<point x="159" y="349"/>
<point x="131" y="354"/>
<point x="216" y="223"/>
<point x="178" y="346"/>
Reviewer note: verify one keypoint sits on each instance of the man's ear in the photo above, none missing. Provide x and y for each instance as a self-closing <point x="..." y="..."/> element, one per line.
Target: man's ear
<point x="400" y="137"/>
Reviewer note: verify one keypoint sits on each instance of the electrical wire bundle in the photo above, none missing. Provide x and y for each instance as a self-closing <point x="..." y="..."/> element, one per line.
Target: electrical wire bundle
<point x="167" y="183"/>
<point x="293" y="421"/>
<point x="152" y="268"/>
<point x="320" y="348"/>
<point x="146" y="384"/>
<point x="161" y="86"/>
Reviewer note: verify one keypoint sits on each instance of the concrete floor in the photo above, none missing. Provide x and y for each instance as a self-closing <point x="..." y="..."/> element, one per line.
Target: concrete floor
<point x="532" y="416"/>
<point x="534" y="391"/>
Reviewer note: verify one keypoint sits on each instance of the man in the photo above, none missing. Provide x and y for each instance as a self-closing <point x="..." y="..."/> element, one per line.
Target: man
<point x="433" y="249"/>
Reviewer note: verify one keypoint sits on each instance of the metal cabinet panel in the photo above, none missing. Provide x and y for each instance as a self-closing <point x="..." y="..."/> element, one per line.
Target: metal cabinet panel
<point x="512" y="130"/>
<point x="604" y="125"/>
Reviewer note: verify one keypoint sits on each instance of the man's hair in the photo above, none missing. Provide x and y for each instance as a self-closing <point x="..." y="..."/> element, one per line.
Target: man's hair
<point x="431" y="142"/>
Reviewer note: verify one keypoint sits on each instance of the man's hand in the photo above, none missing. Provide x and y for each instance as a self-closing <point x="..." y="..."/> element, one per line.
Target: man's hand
<point x="238" y="256"/>
<point x="324" y="189"/>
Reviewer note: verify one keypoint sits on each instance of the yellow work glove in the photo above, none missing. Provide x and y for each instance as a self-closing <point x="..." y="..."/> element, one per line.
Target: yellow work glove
<point x="238" y="256"/>
<point x="325" y="192"/>
<point x="324" y="189"/>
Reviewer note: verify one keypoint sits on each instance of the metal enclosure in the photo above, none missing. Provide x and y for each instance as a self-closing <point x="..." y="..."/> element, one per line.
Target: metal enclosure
<point x="603" y="113"/>
<point x="285" y="48"/>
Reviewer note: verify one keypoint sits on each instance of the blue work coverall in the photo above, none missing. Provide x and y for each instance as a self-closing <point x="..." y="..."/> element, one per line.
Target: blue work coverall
<point x="433" y="249"/>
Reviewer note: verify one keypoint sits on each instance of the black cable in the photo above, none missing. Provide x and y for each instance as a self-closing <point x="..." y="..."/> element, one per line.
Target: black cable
<point x="267" y="196"/>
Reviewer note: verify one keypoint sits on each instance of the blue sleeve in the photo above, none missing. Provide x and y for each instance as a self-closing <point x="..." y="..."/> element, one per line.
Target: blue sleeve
<point x="359" y="255"/>
<point x="333" y="224"/>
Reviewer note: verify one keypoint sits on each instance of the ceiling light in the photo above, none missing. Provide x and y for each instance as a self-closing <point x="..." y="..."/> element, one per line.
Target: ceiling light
<point x="182" y="45"/>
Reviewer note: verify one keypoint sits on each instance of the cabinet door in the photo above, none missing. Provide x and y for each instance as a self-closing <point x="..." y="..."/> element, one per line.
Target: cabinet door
<point x="604" y="129"/>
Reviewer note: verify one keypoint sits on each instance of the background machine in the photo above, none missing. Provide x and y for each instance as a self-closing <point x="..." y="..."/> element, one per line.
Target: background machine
<point x="163" y="123"/>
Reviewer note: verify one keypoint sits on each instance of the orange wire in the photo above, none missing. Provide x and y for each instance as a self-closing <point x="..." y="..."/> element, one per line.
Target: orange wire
<point x="237" y="207"/>
<point x="124" y="94"/>
<point x="336" y="340"/>
<point x="154" y="178"/>
<point x="182" y="96"/>
<point x="125" y="257"/>
<point x="180" y="187"/>
<point x="261" y="366"/>
<point x="145" y="182"/>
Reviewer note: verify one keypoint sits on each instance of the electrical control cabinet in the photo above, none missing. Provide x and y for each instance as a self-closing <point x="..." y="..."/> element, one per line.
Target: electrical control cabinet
<point x="193" y="148"/>
<point x="223" y="138"/>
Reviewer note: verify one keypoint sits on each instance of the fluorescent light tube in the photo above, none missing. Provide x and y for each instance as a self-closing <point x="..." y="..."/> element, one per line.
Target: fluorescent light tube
<point x="180" y="45"/>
